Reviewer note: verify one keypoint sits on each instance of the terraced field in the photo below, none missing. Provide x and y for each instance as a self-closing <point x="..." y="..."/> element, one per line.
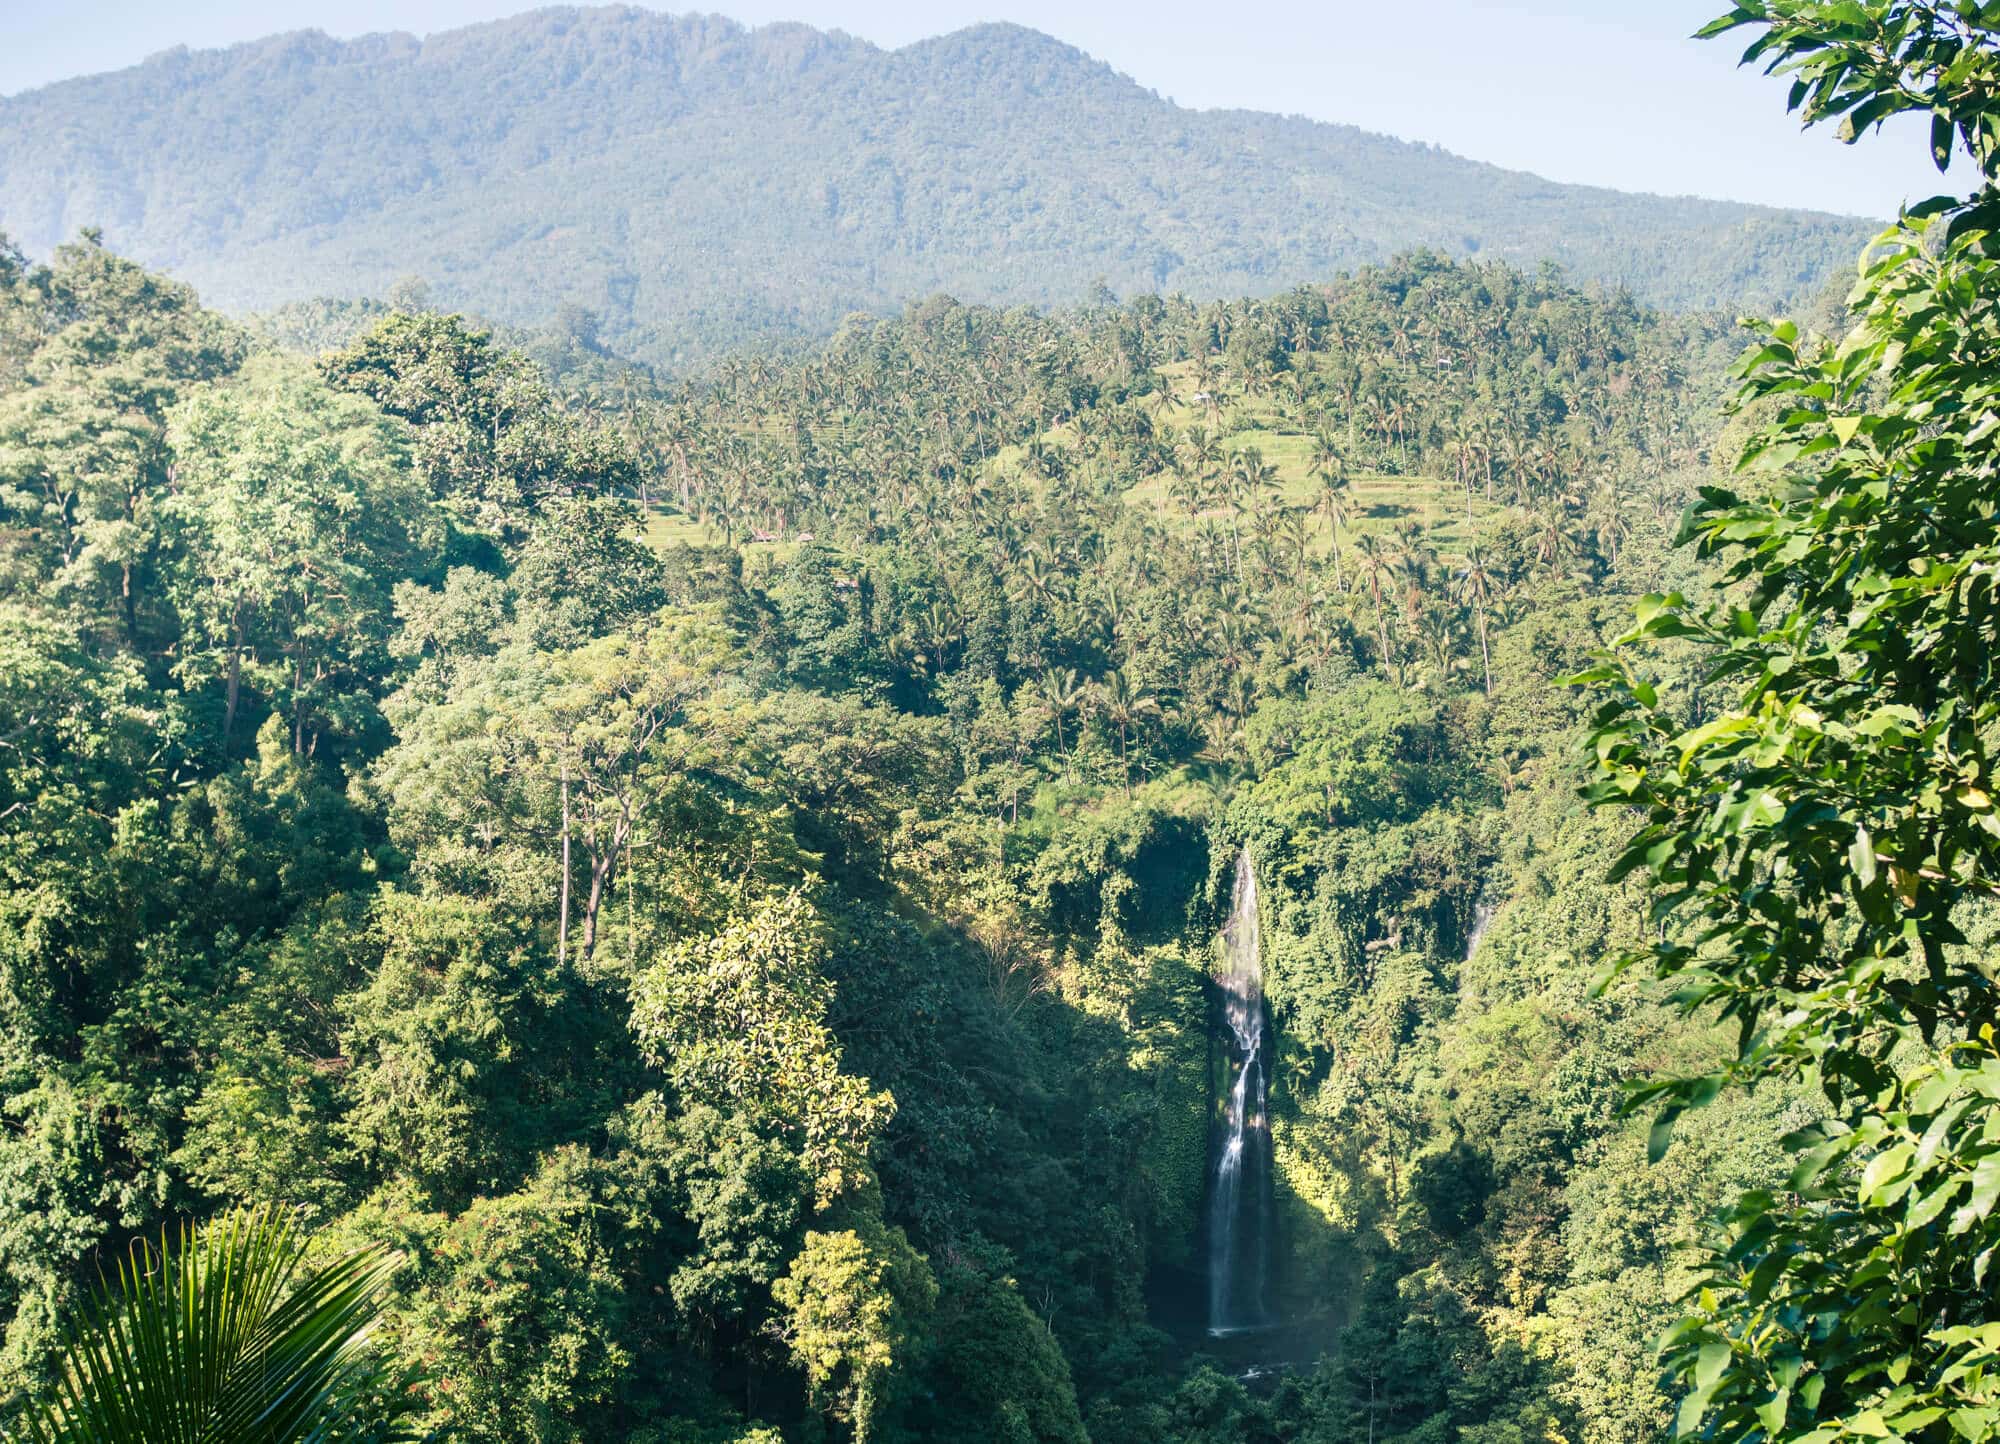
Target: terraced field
<point x="1381" y="502"/>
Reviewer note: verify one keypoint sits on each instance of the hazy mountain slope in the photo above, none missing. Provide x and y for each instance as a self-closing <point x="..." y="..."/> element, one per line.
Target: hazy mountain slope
<point x="697" y="183"/>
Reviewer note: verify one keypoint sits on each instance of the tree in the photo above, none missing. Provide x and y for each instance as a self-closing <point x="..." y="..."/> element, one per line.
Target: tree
<point x="1375" y="565"/>
<point x="491" y="439"/>
<point x="1820" y="842"/>
<point x="1475" y="588"/>
<point x="1060" y="693"/>
<point x="229" y="1334"/>
<point x="1336" y="498"/>
<point x="293" y="516"/>
<point x="602" y="728"/>
<point x="524" y="1311"/>
<point x="585" y="573"/>
<point x="1125" y="704"/>
<point x="852" y="1299"/>
<point x="84" y="463"/>
<point x="737" y="1020"/>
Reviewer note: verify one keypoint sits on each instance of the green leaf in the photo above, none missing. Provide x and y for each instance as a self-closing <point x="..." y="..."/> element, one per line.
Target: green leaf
<point x="1661" y="1135"/>
<point x="1771" y="1413"/>
<point x="1985" y="1186"/>
<point x="1943" y="133"/>
<point x="230" y="1335"/>
<point x="1711" y="1364"/>
<point x="1861" y="857"/>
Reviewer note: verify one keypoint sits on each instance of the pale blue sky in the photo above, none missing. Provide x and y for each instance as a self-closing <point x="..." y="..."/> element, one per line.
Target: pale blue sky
<point x="1607" y="92"/>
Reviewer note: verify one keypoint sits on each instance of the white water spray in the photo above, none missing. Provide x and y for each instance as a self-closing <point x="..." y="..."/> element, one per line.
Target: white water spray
<point x="1239" y="1213"/>
<point x="1482" y="919"/>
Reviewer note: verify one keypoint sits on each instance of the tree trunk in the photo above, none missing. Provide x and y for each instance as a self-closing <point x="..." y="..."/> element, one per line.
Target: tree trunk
<point x="235" y="685"/>
<point x="1485" y="653"/>
<point x="600" y="874"/>
<point x="562" y="905"/>
<point x="1382" y="631"/>
<point x="602" y="869"/>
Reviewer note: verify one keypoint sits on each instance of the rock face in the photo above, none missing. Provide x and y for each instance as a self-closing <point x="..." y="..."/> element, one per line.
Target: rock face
<point x="698" y="184"/>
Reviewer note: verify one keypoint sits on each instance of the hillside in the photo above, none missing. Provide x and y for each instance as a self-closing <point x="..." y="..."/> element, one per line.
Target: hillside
<point x="975" y="652"/>
<point x="697" y="184"/>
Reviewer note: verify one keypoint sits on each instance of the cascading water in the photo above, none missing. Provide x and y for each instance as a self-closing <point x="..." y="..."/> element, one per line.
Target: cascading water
<point x="1239" y="1211"/>
<point x="1482" y="919"/>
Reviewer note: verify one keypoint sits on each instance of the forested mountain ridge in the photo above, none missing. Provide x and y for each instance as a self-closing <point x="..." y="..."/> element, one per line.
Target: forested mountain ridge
<point x="697" y="184"/>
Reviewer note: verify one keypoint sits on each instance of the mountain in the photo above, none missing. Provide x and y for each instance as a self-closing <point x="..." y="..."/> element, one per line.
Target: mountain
<point x="697" y="184"/>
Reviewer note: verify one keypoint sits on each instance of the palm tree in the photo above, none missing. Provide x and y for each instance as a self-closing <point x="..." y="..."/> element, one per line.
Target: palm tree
<point x="1188" y="491"/>
<point x="1249" y="478"/>
<point x="1440" y="633"/>
<point x="1336" y="504"/>
<point x="1375" y="565"/>
<point x="1125" y="704"/>
<point x="1200" y="451"/>
<point x="1466" y="442"/>
<point x="1555" y="537"/>
<point x="1415" y="560"/>
<point x="1607" y="519"/>
<point x="230" y="1337"/>
<point x="1221" y="737"/>
<point x="1061" y="694"/>
<point x="1475" y="587"/>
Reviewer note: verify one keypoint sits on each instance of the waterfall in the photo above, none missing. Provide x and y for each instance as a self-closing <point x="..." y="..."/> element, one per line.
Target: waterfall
<point x="1482" y="919"/>
<point x="1239" y="1213"/>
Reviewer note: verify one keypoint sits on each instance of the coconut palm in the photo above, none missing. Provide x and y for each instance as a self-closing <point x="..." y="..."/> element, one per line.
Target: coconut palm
<point x="1555" y="535"/>
<point x="1375" y="565"/>
<point x="1188" y="491"/>
<point x="1336" y="504"/>
<point x="229" y="1336"/>
<point x="1125" y="704"/>
<point x="1248" y="480"/>
<point x="1475" y="588"/>
<point x="1060" y="693"/>
<point x="1607" y="520"/>
<point x="1439" y="630"/>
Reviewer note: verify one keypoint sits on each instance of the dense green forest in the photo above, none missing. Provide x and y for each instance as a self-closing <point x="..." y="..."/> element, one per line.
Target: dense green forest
<point x="898" y="711"/>
<point x="697" y="184"/>
<point x="687" y="912"/>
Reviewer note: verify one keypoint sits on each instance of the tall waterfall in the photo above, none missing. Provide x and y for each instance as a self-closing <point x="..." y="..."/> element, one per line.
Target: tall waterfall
<point x="1239" y="1211"/>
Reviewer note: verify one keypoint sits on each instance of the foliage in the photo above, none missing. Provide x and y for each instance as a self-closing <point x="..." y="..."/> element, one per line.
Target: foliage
<point x="231" y="1334"/>
<point x="849" y="1300"/>
<point x="740" y="1016"/>
<point x="721" y="876"/>
<point x="1822" y="836"/>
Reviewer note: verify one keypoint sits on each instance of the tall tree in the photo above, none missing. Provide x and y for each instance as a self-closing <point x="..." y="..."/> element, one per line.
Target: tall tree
<point x="1821" y="841"/>
<point x="293" y="517"/>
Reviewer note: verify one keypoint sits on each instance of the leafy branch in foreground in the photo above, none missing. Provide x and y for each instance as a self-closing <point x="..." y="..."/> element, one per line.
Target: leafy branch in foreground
<point x="1820" y="848"/>
<point x="1861" y="63"/>
<point x="230" y="1338"/>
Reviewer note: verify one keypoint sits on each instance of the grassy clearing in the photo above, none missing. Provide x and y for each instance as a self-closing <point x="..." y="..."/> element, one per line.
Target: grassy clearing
<point x="1381" y="502"/>
<point x="666" y="527"/>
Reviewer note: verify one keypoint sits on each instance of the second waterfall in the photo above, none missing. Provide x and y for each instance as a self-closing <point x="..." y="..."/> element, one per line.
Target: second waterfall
<point x="1239" y="1205"/>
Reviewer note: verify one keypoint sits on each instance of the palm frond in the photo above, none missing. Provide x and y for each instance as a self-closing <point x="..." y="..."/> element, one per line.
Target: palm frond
<point x="229" y="1338"/>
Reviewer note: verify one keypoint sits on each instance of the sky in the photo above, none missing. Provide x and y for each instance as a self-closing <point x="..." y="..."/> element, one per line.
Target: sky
<point x="1604" y="92"/>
